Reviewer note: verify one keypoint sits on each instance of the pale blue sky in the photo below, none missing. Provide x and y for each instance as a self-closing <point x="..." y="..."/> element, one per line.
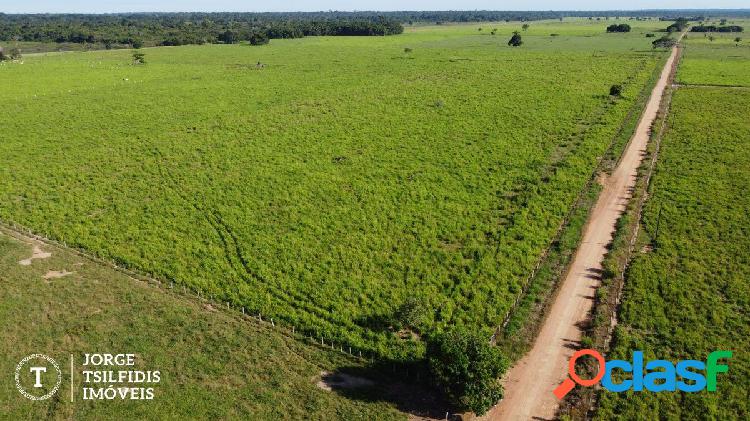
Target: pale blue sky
<point x="109" y="6"/>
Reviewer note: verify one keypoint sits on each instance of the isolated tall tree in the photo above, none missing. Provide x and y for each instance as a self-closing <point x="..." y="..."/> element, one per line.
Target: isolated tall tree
<point x="515" y="40"/>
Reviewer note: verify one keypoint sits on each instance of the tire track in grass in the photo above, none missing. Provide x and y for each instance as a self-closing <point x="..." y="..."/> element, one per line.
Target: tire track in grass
<point x="242" y="268"/>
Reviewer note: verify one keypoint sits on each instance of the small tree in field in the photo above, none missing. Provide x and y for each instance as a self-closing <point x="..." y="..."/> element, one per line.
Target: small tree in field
<point x="515" y="40"/>
<point x="664" y="42"/>
<point x="139" y="58"/>
<point x="737" y="41"/>
<point x="525" y="26"/>
<point x="615" y="90"/>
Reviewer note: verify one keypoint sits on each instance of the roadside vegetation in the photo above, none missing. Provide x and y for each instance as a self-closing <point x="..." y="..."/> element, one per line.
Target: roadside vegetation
<point x="675" y="293"/>
<point x="686" y="292"/>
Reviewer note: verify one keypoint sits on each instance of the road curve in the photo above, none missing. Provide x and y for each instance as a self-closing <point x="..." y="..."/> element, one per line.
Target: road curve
<point x="529" y="383"/>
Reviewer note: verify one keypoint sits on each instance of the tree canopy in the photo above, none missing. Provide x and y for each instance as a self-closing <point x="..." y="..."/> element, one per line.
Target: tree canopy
<point x="623" y="27"/>
<point x="154" y="29"/>
<point x="713" y="28"/>
<point x="467" y="368"/>
<point x="515" y="40"/>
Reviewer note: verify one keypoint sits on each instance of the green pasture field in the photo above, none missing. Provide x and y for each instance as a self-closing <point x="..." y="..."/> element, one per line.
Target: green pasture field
<point x="721" y="62"/>
<point x="213" y="364"/>
<point x="327" y="186"/>
<point x="690" y="295"/>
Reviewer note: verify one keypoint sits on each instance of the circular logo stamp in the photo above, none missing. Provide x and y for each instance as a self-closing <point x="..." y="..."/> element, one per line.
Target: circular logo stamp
<point x="35" y="370"/>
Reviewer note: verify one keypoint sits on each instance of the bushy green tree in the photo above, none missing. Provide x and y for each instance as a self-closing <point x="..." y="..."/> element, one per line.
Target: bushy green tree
<point x="515" y="40"/>
<point x="467" y="368"/>
<point x="615" y="90"/>
<point x="664" y="42"/>
<point x="622" y="27"/>
<point x="139" y="57"/>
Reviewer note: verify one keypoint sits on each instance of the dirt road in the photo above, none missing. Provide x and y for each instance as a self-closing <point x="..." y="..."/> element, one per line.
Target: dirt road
<point x="529" y="384"/>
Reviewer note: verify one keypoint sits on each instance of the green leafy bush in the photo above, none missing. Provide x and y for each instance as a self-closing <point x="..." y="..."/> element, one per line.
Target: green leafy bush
<point x="467" y="368"/>
<point x="515" y="40"/>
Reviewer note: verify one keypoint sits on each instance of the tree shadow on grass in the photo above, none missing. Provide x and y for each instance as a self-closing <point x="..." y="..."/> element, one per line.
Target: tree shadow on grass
<point x="401" y="385"/>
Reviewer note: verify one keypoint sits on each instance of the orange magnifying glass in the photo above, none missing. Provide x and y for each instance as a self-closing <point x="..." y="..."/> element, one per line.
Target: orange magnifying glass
<point x="568" y="384"/>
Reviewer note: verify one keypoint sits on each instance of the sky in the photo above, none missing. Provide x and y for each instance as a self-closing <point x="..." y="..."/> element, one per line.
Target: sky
<point x="112" y="6"/>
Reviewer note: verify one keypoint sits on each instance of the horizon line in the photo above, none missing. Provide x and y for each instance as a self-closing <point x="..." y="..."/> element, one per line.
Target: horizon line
<point x="379" y="11"/>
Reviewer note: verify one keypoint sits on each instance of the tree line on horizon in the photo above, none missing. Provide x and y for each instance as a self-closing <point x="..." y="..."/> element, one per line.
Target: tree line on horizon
<point x="156" y="29"/>
<point x="134" y="29"/>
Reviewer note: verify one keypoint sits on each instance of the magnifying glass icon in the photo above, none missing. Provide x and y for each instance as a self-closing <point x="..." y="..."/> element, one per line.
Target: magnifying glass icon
<point x="568" y="384"/>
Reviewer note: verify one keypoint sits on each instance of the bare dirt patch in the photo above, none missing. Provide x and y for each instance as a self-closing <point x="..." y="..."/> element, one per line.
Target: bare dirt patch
<point x="55" y="274"/>
<point x="337" y="381"/>
<point x="37" y="253"/>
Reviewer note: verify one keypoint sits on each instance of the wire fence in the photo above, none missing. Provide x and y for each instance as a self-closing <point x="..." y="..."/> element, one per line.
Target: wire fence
<point x="168" y="286"/>
<point x="598" y="168"/>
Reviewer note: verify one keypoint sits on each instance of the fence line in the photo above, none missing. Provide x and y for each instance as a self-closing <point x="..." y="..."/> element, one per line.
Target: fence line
<point x="17" y="230"/>
<point x="642" y="200"/>
<point x="566" y="220"/>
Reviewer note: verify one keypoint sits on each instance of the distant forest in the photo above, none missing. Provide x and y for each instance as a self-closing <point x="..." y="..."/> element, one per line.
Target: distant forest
<point x="153" y="29"/>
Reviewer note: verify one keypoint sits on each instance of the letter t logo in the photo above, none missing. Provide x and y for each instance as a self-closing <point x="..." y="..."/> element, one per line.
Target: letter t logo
<point x="38" y="371"/>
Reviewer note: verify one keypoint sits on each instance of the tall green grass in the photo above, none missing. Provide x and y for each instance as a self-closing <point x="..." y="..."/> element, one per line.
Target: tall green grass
<point x="689" y="295"/>
<point x="328" y="186"/>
